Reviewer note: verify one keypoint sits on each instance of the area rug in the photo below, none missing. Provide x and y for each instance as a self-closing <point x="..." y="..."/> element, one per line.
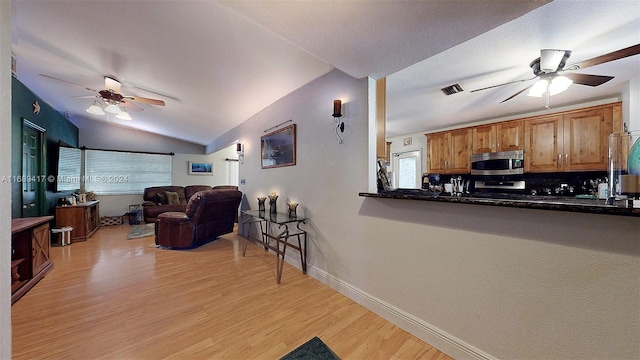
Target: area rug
<point x="139" y="231"/>
<point x="313" y="349"/>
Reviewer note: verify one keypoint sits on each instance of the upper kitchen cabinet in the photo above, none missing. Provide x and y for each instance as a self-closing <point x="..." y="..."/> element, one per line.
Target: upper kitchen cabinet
<point x="449" y="152"/>
<point x="571" y="141"/>
<point x="503" y="136"/>
<point x="543" y="144"/>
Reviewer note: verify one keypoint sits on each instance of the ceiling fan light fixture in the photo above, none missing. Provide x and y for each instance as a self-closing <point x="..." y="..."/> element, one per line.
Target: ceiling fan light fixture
<point x="95" y="109"/>
<point x="112" y="108"/>
<point x="124" y="115"/>
<point x="538" y="88"/>
<point x="559" y="84"/>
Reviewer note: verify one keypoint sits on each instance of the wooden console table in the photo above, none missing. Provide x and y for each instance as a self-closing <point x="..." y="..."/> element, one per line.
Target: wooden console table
<point x="30" y="261"/>
<point x="84" y="218"/>
<point x="267" y="221"/>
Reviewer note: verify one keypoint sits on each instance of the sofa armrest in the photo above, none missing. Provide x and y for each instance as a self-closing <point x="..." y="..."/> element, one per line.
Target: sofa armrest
<point x="149" y="203"/>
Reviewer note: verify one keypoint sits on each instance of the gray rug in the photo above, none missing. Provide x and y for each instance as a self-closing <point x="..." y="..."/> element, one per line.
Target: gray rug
<point x="140" y="231"/>
<point x="313" y="349"/>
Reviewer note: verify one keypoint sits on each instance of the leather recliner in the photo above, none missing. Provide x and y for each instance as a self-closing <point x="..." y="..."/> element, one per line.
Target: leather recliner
<point x="208" y="214"/>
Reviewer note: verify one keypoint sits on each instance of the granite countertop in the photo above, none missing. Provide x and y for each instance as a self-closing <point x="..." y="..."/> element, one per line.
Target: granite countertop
<point x="558" y="203"/>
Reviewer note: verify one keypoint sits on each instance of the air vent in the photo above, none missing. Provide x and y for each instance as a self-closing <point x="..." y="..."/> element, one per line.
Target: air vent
<point x="452" y="89"/>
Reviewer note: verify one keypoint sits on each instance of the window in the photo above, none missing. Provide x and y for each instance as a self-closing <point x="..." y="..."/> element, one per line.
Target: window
<point x="115" y="172"/>
<point x="407" y="170"/>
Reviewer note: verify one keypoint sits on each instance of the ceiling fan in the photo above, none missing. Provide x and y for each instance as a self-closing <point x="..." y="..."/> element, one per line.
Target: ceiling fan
<point x="111" y="100"/>
<point x="555" y="78"/>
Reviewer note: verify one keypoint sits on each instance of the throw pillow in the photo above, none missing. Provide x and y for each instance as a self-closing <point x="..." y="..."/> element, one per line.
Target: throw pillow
<point x="161" y="198"/>
<point x="173" y="198"/>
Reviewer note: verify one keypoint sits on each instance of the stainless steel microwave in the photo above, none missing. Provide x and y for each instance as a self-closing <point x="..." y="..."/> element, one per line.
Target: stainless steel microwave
<point x="498" y="163"/>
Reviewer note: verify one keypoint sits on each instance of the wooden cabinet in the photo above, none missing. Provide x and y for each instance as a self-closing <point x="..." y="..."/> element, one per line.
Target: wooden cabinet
<point x="387" y="155"/>
<point x="449" y="152"/>
<point x="543" y="144"/>
<point x="84" y="218"/>
<point x="30" y="260"/>
<point x="576" y="140"/>
<point x="503" y="136"/>
<point x="571" y="141"/>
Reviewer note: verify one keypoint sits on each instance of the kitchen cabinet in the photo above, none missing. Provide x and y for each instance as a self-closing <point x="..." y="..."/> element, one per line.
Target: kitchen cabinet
<point x="449" y="152"/>
<point x="30" y="260"/>
<point x="504" y="136"/>
<point x="84" y="218"/>
<point x="570" y="141"/>
<point x="387" y="155"/>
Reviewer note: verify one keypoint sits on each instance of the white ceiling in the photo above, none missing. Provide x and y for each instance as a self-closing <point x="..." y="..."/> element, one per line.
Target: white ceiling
<point x="217" y="63"/>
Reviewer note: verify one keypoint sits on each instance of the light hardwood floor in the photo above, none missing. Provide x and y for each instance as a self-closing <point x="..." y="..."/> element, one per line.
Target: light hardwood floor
<point x="112" y="298"/>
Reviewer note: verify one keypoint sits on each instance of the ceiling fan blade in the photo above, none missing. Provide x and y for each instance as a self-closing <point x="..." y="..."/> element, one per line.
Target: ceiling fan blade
<point x="507" y="83"/>
<point x="589" y="80"/>
<point x="516" y="94"/>
<point x="622" y="53"/>
<point x="84" y="97"/>
<point x="145" y="100"/>
<point x="112" y="84"/>
<point x="131" y="106"/>
<point x="68" y="82"/>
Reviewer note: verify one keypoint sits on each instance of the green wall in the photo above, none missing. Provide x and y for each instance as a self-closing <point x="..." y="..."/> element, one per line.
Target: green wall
<point x="57" y="127"/>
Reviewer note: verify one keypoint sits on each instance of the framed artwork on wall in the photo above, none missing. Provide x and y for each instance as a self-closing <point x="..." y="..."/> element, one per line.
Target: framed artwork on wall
<point x="278" y="148"/>
<point x="200" y="168"/>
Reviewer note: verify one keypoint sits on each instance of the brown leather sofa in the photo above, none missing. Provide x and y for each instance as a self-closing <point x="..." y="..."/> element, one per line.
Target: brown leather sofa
<point x="156" y="202"/>
<point x="208" y="214"/>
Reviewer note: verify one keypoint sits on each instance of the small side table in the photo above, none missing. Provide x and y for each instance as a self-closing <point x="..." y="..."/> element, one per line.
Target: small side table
<point x="281" y="238"/>
<point x="64" y="236"/>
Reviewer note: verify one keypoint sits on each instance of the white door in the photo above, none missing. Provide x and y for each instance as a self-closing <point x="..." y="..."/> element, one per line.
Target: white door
<point x="407" y="170"/>
<point x="233" y="172"/>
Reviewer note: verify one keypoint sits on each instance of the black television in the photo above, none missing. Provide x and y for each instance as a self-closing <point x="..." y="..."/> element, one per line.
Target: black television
<point x="69" y="168"/>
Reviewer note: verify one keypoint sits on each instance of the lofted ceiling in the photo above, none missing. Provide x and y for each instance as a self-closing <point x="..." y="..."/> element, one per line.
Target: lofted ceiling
<point x="217" y="63"/>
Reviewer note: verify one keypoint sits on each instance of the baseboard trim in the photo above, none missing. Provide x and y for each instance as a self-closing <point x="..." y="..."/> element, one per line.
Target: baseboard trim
<point x="436" y="337"/>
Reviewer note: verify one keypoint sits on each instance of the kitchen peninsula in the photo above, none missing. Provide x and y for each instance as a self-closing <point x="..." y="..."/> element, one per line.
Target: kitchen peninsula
<point x="558" y="203"/>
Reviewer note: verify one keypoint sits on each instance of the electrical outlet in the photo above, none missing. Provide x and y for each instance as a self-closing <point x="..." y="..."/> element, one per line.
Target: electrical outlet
<point x="243" y="181"/>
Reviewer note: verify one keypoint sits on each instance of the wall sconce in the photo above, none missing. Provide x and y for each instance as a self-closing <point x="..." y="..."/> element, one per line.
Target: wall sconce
<point x="240" y="151"/>
<point x="337" y="114"/>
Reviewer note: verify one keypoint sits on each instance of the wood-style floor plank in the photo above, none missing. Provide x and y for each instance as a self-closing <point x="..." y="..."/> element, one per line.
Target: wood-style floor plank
<point x="113" y="298"/>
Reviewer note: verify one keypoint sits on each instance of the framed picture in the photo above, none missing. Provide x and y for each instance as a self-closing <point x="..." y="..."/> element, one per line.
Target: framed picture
<point x="407" y="141"/>
<point x="278" y="148"/>
<point x="200" y="168"/>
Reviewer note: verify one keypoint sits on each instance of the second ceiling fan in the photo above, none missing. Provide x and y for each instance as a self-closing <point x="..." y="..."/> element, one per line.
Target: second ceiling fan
<point x="554" y="78"/>
<point x="111" y="100"/>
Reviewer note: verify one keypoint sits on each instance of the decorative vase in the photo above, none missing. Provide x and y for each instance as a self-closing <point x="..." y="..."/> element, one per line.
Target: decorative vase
<point x="292" y="209"/>
<point x="261" y="200"/>
<point x="272" y="204"/>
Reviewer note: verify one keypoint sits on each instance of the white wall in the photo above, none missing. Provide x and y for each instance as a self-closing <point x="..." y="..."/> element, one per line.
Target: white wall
<point x="631" y="112"/>
<point x="221" y="168"/>
<point x="98" y="134"/>
<point x="5" y="186"/>
<point x="474" y="281"/>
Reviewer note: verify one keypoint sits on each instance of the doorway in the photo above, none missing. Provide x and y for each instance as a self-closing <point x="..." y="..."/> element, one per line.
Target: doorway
<point x="407" y="170"/>
<point x="33" y="176"/>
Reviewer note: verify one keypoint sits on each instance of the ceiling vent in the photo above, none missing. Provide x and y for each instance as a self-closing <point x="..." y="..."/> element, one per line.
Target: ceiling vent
<point x="452" y="89"/>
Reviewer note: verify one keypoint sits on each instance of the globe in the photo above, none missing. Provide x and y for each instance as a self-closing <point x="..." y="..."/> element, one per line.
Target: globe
<point x="633" y="161"/>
